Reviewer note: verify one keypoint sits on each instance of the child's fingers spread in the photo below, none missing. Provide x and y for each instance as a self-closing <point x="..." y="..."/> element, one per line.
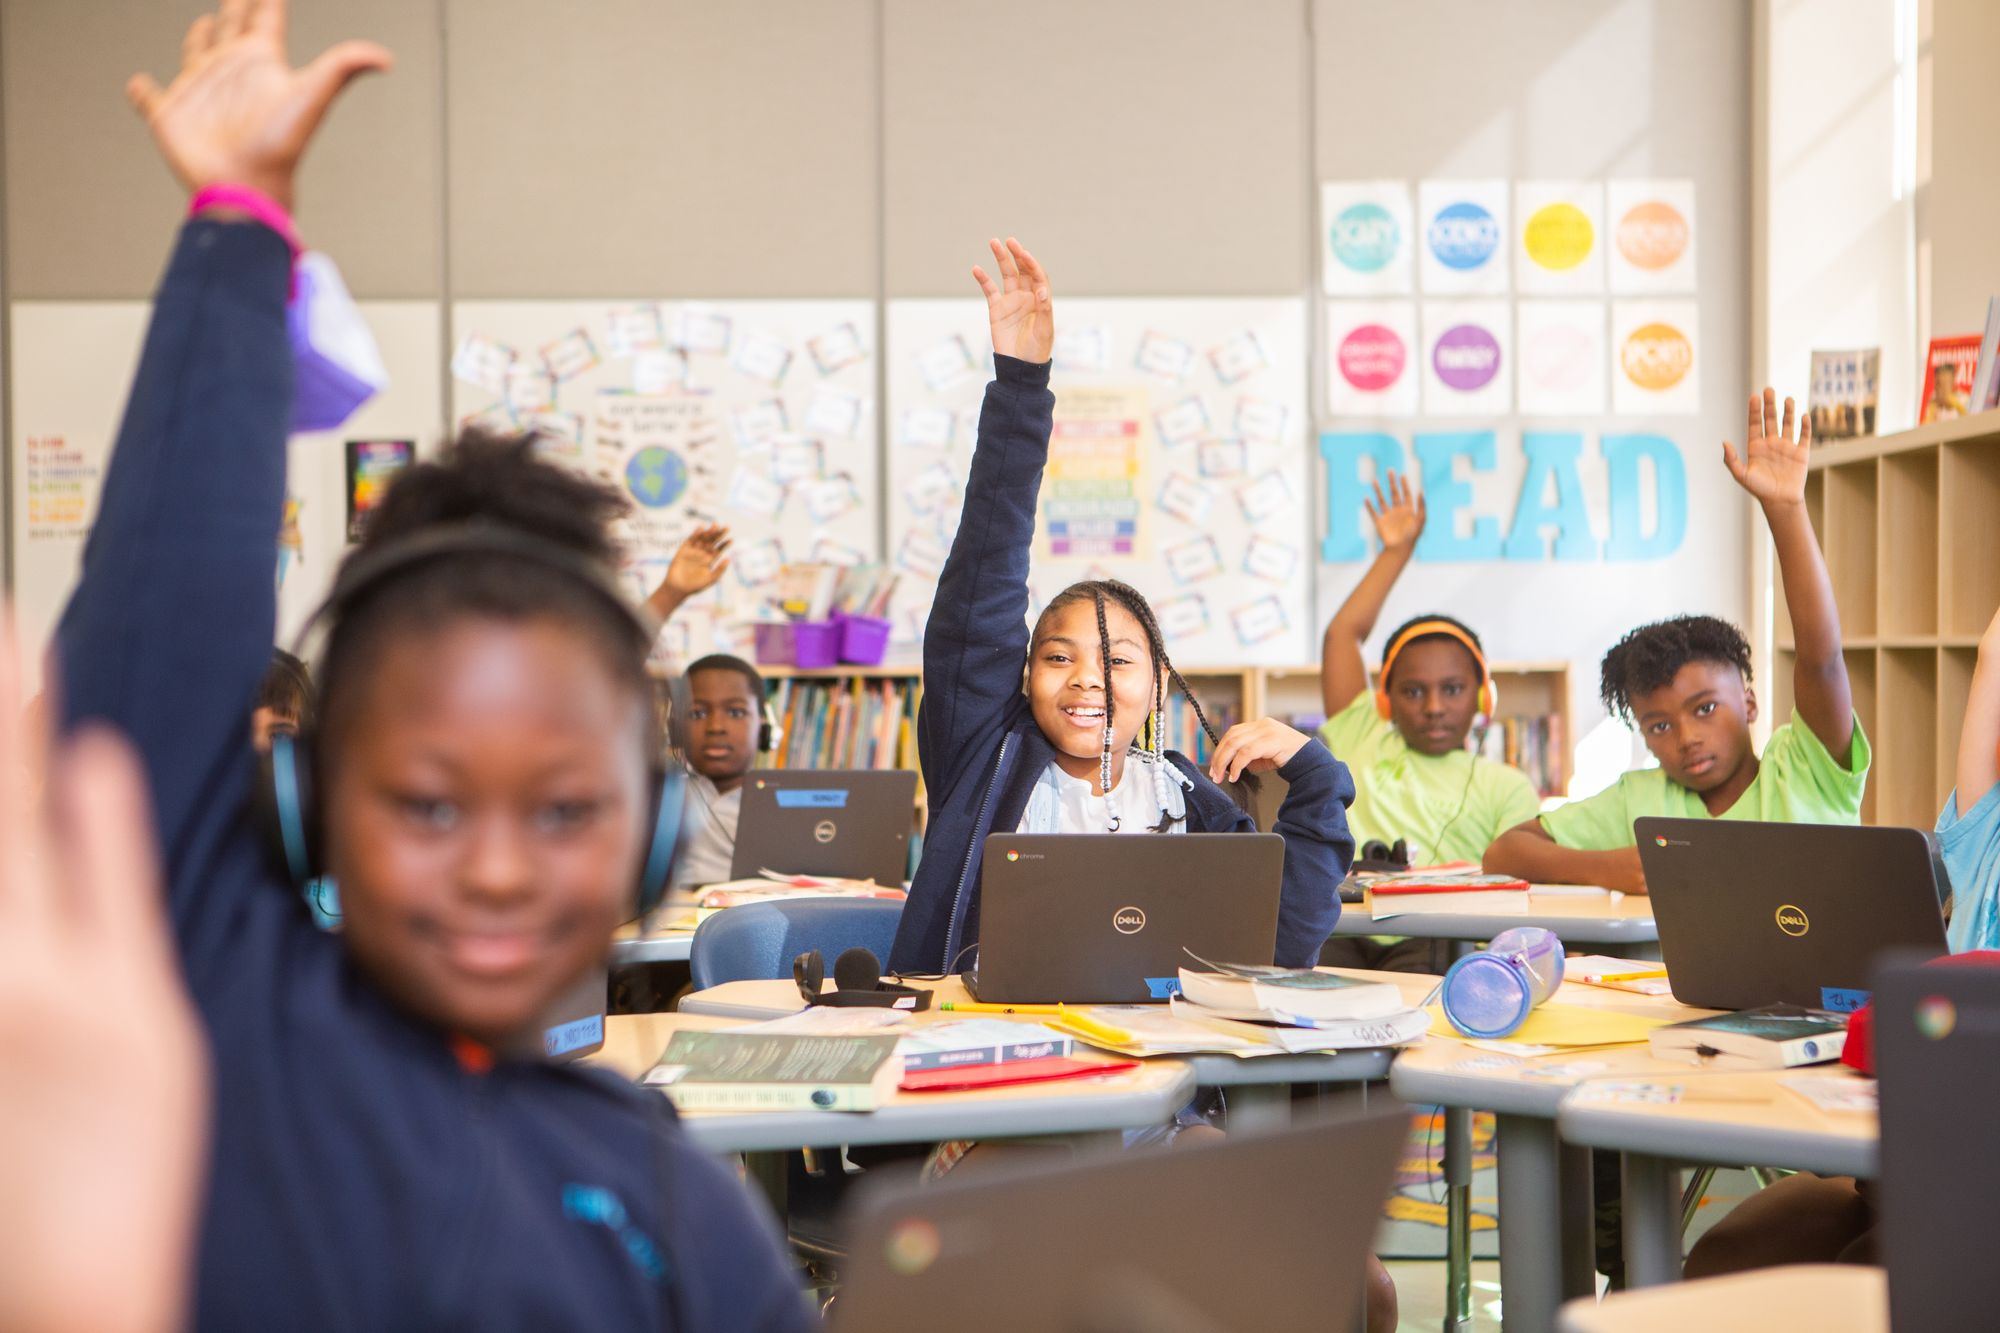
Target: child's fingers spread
<point x="104" y="833"/>
<point x="986" y="284"/>
<point x="1770" y="410"/>
<point x="1805" y="429"/>
<point x="1786" y="430"/>
<point x="1755" y="427"/>
<point x="200" y="36"/>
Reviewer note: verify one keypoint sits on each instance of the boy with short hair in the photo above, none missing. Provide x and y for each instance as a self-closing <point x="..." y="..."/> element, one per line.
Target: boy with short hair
<point x="1685" y="684"/>
<point x="725" y="709"/>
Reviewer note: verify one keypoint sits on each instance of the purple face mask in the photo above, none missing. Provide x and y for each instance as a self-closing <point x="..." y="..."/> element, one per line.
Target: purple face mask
<point x="335" y="364"/>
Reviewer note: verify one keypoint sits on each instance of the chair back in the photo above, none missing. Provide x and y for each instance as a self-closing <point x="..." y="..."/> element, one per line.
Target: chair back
<point x="758" y="941"/>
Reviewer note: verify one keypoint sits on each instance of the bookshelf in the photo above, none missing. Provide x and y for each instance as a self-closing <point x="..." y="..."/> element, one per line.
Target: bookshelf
<point x="1907" y="525"/>
<point x="1529" y="692"/>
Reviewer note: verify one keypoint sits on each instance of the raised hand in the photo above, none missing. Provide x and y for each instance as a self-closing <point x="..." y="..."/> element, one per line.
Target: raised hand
<point x="1398" y="518"/>
<point x="238" y="112"/>
<point x="698" y="562"/>
<point x="1254" y="747"/>
<point x="1772" y="466"/>
<point x="1018" y="306"/>
<point x="102" y="1126"/>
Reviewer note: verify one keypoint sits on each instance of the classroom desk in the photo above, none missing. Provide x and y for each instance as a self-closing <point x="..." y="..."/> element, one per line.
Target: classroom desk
<point x="1722" y="1119"/>
<point x="1257" y="1091"/>
<point x="1576" y="913"/>
<point x="1545" y="1229"/>
<point x="666" y="946"/>
<point x="1134" y="1099"/>
<point x="1825" y="1298"/>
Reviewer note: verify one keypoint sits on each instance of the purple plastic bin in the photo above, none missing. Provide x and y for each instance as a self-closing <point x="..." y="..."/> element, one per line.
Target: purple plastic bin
<point x="774" y="644"/>
<point x="864" y="640"/>
<point x="815" y="643"/>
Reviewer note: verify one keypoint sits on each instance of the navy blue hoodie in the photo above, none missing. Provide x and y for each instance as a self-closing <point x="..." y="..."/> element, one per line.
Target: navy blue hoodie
<point x="362" y="1176"/>
<point x="982" y="750"/>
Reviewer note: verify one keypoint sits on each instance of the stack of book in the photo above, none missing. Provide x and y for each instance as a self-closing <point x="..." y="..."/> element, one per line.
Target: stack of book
<point x="846" y="723"/>
<point x="1248" y="1011"/>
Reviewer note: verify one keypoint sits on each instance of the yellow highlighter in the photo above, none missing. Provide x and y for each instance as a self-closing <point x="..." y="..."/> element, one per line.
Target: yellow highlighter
<point x="1085" y="1026"/>
<point x="971" y="1007"/>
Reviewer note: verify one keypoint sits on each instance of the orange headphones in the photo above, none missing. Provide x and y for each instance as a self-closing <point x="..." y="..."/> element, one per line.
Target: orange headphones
<point x="1450" y="629"/>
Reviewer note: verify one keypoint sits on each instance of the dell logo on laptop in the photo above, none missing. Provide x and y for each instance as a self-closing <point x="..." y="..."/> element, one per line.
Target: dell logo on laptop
<point x="1792" y="920"/>
<point x="823" y="831"/>
<point x="1128" y="920"/>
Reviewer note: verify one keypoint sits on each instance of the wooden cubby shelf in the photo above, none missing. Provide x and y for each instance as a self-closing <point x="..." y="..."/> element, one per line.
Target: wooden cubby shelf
<point x="1910" y="524"/>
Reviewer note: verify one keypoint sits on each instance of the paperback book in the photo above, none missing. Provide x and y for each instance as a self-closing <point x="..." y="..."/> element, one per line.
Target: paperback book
<point x="743" y="1071"/>
<point x="1776" y="1036"/>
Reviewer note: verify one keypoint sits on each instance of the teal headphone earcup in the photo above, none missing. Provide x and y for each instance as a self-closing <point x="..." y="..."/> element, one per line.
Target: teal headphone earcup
<point x="669" y="802"/>
<point x="286" y="804"/>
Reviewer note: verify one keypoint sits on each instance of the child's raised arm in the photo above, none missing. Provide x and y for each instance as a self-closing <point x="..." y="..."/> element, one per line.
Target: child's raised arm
<point x="1399" y="521"/>
<point x="1772" y="468"/>
<point x="976" y="642"/>
<point x="698" y="564"/>
<point x="171" y="627"/>
<point x="1979" y="738"/>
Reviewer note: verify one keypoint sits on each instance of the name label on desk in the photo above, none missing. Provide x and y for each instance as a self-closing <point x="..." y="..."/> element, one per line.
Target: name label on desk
<point x="566" y="1037"/>
<point x="812" y="798"/>
<point x="1164" y="988"/>
<point x="1842" y="999"/>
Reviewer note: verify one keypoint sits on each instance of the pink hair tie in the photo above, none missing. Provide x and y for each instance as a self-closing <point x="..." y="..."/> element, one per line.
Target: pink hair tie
<point x="258" y="205"/>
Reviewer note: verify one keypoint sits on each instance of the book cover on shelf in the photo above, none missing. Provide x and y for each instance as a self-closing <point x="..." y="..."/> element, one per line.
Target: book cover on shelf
<point x="742" y="1071"/>
<point x="1842" y="393"/>
<point x="1775" y="1036"/>
<point x="1949" y="366"/>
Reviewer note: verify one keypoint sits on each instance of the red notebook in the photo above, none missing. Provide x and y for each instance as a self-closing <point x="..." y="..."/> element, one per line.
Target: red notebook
<point x="967" y="1077"/>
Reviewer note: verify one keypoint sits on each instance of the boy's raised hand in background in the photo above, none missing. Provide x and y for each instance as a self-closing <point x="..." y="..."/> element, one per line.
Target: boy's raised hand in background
<point x="1772" y="466"/>
<point x="237" y="112"/>
<point x="1018" y="306"/>
<point x="1399" y="517"/>
<point x="699" y="562"/>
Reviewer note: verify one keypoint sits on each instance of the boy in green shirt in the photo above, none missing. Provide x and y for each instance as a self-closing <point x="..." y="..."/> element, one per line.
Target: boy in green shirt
<point x="1685" y="684"/>
<point x="1405" y="741"/>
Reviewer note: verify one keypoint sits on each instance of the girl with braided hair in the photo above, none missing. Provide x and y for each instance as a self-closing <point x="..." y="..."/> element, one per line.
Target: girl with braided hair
<point x="1060" y="730"/>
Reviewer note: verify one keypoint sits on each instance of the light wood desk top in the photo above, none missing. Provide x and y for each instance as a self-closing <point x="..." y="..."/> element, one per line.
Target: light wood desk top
<point x="1825" y="1298"/>
<point x="1132" y="1099"/>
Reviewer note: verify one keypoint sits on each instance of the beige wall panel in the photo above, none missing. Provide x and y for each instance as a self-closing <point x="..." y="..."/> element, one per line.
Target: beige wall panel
<point x="1964" y="191"/>
<point x="690" y="148"/>
<point x="1142" y="147"/>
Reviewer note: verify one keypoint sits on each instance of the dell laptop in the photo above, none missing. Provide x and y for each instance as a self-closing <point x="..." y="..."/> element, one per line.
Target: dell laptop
<point x="1081" y="918"/>
<point x="850" y="823"/>
<point x="1264" y="1230"/>
<point x="1753" y="914"/>
<point x="1937" y="1052"/>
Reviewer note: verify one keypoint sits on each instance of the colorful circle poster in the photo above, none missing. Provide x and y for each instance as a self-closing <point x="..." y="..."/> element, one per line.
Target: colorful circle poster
<point x="1467" y="358"/>
<point x="1463" y="237"/>
<point x="1372" y="357"/>
<point x="1365" y="238"/>
<point x="1559" y="358"/>
<point x="1650" y="248"/>
<point x="1655" y="366"/>
<point x="1559" y="238"/>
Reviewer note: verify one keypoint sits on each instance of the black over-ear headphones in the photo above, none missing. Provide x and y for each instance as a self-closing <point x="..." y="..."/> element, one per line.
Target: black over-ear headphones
<point x="288" y="805"/>
<point x="858" y="974"/>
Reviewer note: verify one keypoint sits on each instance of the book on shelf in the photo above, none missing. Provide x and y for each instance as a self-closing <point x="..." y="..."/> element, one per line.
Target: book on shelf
<point x="1842" y="394"/>
<point x="846" y="722"/>
<point x="1775" y="1036"/>
<point x="754" y="1071"/>
<point x="1532" y="744"/>
<point x="1949" y="367"/>
<point x="1304" y="992"/>
<point x="1985" y="392"/>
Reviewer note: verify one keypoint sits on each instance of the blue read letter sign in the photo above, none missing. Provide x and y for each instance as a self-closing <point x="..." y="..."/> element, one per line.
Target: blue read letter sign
<point x="1550" y="518"/>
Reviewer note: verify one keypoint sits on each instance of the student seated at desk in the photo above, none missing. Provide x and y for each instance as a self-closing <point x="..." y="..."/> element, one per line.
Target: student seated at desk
<point x="1404" y="741"/>
<point x="1685" y="684"/>
<point x="725" y="697"/>
<point x="1058" y="730"/>
<point x="1968" y="828"/>
<point x="390" y="1150"/>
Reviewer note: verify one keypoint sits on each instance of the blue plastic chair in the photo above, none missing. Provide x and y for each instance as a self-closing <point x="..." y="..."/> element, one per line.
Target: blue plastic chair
<point x="758" y="941"/>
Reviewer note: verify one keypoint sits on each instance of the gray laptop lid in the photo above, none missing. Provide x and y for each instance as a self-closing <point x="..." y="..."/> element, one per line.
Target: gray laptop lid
<point x="1262" y="1230"/>
<point x="1753" y="914"/>
<point x="1089" y="918"/>
<point x="854" y="823"/>
<point x="1937" y="1051"/>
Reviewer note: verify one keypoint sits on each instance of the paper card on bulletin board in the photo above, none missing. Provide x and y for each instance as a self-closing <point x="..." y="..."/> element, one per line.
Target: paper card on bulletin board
<point x="755" y="413"/>
<point x="1218" y="387"/>
<point x="1372" y="356"/>
<point x="1559" y="230"/>
<point x="1467" y="358"/>
<point x="66" y="409"/>
<point x="1366" y="238"/>
<point x="1464" y="237"/>
<point x="1652" y="248"/>
<point x="1655" y="349"/>
<point x="1093" y="503"/>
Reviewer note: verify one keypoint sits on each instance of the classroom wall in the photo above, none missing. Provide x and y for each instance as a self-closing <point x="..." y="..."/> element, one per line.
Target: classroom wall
<point x="1962" y="193"/>
<point x="864" y="148"/>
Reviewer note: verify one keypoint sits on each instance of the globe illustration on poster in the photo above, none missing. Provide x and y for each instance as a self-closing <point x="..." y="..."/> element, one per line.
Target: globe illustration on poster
<point x="656" y="477"/>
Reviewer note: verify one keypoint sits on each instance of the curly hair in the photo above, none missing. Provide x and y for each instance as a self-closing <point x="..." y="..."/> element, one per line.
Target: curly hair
<point x="481" y="478"/>
<point x="1652" y="655"/>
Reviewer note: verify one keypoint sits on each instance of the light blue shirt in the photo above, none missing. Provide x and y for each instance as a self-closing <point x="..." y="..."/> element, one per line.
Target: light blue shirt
<point x="1970" y="845"/>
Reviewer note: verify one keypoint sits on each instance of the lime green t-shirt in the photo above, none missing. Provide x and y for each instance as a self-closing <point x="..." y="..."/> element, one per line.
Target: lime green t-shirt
<point x="1449" y="807"/>
<point x="1797" y="782"/>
